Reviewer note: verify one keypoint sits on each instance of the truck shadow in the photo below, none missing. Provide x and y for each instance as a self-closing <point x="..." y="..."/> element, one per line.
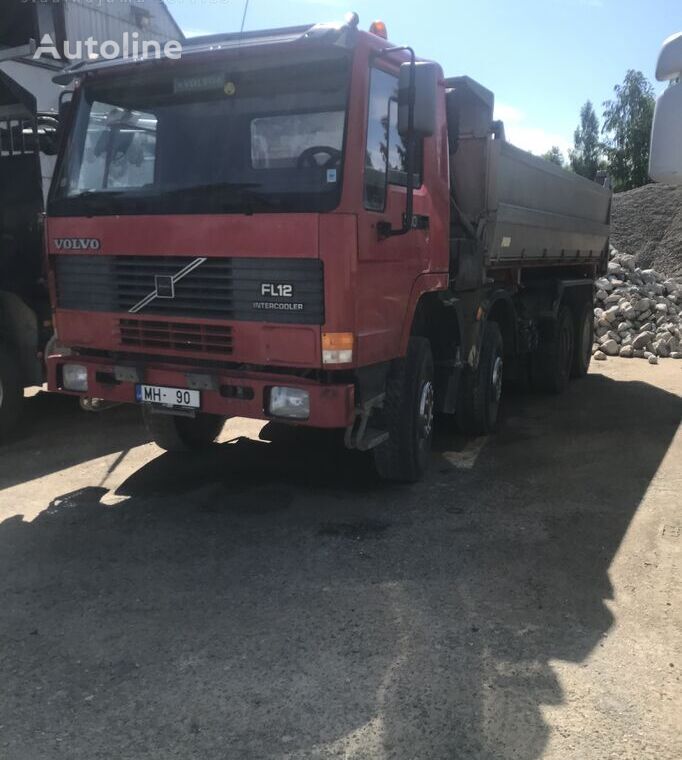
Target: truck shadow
<point x="55" y="434"/>
<point x="276" y="601"/>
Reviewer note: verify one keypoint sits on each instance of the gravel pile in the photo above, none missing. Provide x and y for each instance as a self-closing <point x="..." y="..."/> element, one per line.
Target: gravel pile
<point x="638" y="312"/>
<point x="647" y="222"/>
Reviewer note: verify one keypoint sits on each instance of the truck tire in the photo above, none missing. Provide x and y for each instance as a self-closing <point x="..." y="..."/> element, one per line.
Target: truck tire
<point x="11" y="392"/>
<point x="584" y="338"/>
<point x="478" y="403"/>
<point x="408" y="416"/>
<point x="174" y="433"/>
<point x="551" y="364"/>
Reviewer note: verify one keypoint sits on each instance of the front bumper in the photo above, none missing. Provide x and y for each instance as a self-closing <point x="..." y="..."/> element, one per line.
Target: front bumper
<point x="226" y="393"/>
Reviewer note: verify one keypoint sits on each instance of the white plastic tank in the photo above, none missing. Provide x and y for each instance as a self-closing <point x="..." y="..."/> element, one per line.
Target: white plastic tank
<point x="665" y="158"/>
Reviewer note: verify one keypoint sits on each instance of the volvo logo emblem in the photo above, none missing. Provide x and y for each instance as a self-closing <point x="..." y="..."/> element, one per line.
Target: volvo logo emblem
<point x="164" y="285"/>
<point x="78" y="244"/>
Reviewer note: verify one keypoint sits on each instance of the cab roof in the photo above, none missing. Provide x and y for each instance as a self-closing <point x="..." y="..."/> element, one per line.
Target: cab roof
<point x="339" y="35"/>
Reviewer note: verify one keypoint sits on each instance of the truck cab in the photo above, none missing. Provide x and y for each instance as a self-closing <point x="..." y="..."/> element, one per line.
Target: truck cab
<point x="309" y="225"/>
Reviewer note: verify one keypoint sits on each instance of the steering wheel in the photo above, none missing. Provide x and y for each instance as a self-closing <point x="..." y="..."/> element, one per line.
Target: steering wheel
<point x="308" y="159"/>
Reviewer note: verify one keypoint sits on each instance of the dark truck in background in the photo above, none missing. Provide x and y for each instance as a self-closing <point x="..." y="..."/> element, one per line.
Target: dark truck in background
<point x="310" y="225"/>
<point x="28" y="138"/>
<point x="32" y="107"/>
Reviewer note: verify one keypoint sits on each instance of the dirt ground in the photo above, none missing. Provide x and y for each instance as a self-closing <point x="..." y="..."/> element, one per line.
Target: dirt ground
<point x="272" y="599"/>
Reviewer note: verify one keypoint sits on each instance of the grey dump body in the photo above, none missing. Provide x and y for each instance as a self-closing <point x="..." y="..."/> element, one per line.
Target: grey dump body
<point x="522" y="209"/>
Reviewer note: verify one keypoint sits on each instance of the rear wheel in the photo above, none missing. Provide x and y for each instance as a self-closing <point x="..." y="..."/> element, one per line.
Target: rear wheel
<point x="408" y="416"/>
<point x="481" y="391"/>
<point x="174" y="433"/>
<point x="11" y="392"/>
<point x="584" y="338"/>
<point x="551" y="364"/>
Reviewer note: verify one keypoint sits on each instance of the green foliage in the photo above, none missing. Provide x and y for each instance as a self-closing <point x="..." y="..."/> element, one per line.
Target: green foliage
<point x="627" y="125"/>
<point x="554" y="155"/>
<point x="586" y="153"/>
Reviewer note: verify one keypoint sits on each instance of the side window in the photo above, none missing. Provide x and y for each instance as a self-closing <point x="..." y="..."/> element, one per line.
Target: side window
<point x="386" y="149"/>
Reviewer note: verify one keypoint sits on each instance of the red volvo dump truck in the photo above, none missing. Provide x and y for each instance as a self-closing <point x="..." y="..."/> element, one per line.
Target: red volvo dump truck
<point x="311" y="225"/>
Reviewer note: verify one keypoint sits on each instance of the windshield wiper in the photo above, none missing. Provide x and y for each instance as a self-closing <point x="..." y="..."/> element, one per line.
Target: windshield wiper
<point x="216" y="187"/>
<point x="240" y="197"/>
<point x="94" y="194"/>
<point x="225" y="197"/>
<point x="265" y="199"/>
<point x="93" y="200"/>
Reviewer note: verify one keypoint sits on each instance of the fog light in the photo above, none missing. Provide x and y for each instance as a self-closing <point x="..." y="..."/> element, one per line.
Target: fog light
<point x="337" y="357"/>
<point x="74" y="377"/>
<point x="289" y="402"/>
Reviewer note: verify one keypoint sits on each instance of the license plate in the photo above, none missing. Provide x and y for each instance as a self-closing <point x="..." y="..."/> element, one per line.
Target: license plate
<point x="172" y="397"/>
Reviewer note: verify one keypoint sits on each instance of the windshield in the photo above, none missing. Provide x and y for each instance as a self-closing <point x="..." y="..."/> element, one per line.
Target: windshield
<point x="243" y="138"/>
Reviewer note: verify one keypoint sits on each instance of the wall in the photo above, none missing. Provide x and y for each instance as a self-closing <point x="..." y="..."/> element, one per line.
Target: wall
<point x="109" y="21"/>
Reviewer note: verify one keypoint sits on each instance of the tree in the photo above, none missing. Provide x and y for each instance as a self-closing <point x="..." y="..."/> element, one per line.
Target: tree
<point x="586" y="146"/>
<point x="627" y="124"/>
<point x="554" y="155"/>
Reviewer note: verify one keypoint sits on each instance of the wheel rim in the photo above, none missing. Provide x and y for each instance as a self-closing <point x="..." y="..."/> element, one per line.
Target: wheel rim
<point x="496" y="378"/>
<point x="426" y="404"/>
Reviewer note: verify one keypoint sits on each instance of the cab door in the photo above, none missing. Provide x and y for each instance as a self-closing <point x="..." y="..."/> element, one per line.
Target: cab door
<point x="387" y="266"/>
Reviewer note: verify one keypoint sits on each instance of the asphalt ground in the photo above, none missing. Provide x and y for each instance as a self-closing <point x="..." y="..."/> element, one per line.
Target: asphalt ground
<point x="273" y="599"/>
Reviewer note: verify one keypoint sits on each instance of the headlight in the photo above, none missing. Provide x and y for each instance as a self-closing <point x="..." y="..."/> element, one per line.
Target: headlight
<point x="74" y="377"/>
<point x="289" y="402"/>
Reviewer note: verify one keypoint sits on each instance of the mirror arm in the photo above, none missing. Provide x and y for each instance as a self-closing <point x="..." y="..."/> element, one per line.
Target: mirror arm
<point x="385" y="230"/>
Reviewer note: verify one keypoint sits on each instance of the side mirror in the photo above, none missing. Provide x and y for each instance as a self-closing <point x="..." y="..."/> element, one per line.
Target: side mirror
<point x="65" y="100"/>
<point x="665" y="157"/>
<point x="426" y="77"/>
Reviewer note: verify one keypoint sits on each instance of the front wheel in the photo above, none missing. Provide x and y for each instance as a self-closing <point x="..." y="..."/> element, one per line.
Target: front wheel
<point x="11" y="392"/>
<point x="408" y="416"/>
<point x="174" y="433"/>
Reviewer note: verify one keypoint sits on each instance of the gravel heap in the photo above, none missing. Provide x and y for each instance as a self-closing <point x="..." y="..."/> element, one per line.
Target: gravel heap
<point x="647" y="222"/>
<point x="638" y="313"/>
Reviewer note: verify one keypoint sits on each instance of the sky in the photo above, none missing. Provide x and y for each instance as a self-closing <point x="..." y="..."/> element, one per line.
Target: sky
<point x="542" y="58"/>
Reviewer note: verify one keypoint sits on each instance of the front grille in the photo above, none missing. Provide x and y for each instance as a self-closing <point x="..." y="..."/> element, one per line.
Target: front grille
<point x="179" y="336"/>
<point x="225" y="288"/>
